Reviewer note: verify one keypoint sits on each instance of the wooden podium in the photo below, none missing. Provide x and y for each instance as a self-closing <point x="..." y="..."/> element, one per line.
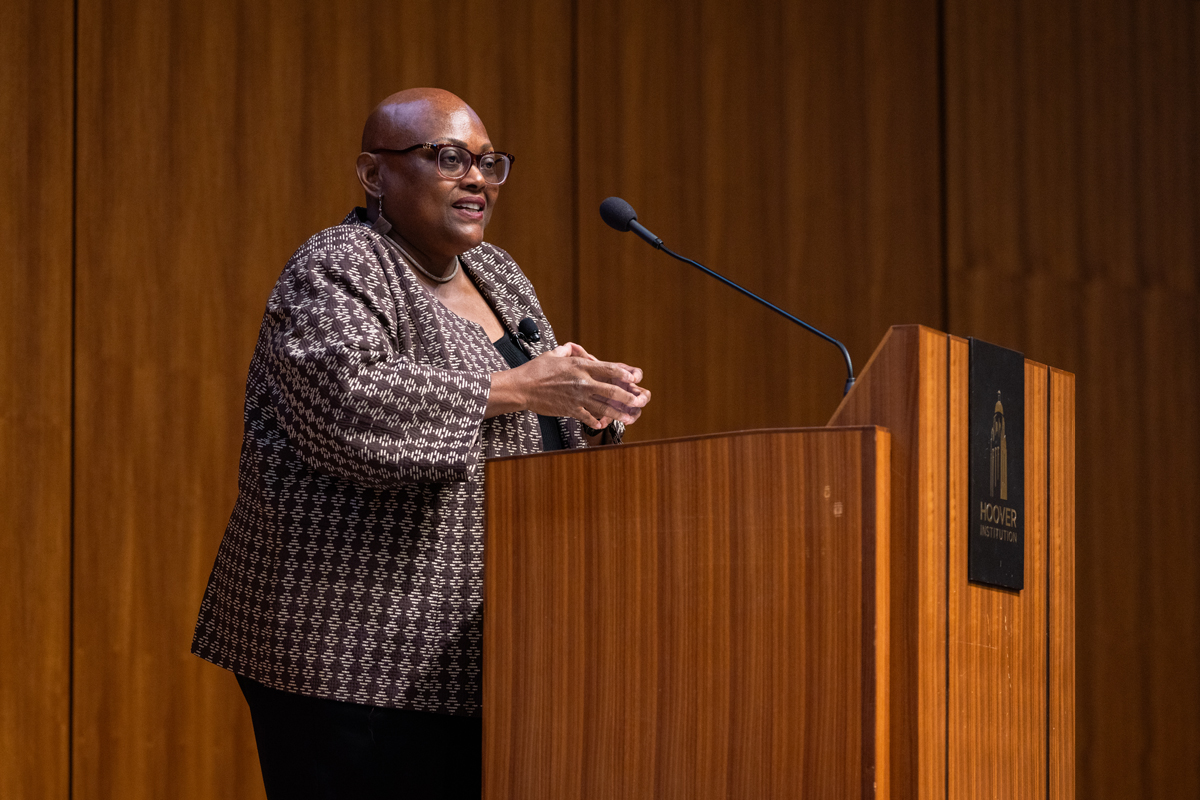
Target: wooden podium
<point x="784" y="613"/>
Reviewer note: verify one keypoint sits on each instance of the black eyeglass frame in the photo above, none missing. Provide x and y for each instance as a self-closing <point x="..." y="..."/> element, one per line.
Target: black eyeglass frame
<point x="437" y="147"/>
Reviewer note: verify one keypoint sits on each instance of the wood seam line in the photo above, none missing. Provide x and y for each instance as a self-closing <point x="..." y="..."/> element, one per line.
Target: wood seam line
<point x="947" y="533"/>
<point x="1049" y="565"/>
<point x="72" y="423"/>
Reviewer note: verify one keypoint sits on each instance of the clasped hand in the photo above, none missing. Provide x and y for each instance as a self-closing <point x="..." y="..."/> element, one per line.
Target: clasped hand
<point x="568" y="381"/>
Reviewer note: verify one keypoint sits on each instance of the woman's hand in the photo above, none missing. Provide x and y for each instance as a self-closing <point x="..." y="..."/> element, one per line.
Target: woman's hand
<point x="570" y="382"/>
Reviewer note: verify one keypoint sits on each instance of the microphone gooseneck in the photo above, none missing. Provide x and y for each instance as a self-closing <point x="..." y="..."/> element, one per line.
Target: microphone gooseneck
<point x="621" y="216"/>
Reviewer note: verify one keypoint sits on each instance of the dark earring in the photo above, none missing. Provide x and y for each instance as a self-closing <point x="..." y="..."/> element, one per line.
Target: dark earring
<point x="381" y="225"/>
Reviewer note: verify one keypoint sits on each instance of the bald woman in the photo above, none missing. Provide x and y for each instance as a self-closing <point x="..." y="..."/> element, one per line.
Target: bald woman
<point x="347" y="591"/>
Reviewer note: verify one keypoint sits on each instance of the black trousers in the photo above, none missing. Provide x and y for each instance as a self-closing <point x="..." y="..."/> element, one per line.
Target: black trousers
<point x="314" y="748"/>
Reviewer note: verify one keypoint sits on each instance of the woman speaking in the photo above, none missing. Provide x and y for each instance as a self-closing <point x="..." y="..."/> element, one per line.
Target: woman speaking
<point x="397" y="353"/>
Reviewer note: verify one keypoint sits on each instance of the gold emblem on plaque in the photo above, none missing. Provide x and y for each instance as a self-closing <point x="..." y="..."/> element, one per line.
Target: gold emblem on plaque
<point x="998" y="464"/>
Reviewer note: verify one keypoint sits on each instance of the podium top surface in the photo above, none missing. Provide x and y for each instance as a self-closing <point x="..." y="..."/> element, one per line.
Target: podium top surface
<point x="697" y="437"/>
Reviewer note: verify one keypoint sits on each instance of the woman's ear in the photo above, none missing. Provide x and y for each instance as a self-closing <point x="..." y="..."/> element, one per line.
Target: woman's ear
<point x="367" y="167"/>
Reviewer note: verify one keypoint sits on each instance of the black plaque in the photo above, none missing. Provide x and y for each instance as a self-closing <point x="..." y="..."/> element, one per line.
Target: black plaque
<point x="996" y="516"/>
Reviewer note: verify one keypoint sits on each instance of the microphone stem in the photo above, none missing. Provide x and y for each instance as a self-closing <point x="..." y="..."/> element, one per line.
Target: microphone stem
<point x="770" y="305"/>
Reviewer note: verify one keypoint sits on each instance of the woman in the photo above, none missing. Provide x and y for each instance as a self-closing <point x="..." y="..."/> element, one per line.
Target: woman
<point x="346" y="593"/>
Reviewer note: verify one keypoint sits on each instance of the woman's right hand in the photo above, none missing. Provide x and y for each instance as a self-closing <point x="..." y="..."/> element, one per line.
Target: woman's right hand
<point x="569" y="382"/>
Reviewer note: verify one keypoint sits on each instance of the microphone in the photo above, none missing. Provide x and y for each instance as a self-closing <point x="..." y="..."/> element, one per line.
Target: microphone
<point x="528" y="330"/>
<point x="620" y="215"/>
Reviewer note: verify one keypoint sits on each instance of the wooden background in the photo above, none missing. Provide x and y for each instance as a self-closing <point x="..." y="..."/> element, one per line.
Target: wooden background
<point x="1024" y="172"/>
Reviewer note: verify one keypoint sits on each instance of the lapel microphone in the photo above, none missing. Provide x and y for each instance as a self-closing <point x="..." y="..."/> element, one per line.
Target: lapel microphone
<point x="529" y="331"/>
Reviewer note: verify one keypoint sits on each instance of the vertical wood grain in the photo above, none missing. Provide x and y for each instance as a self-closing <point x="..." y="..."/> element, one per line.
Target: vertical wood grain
<point x="214" y="137"/>
<point x="1107" y="147"/>
<point x="211" y="141"/>
<point x="904" y="388"/>
<point x="1168" y="529"/>
<point x="877" y="590"/>
<point x="668" y="632"/>
<point x="789" y="146"/>
<point x="1166" y="125"/>
<point x="1073" y="205"/>
<point x="1060" y="600"/>
<point x="997" y="638"/>
<point x="1111" y="556"/>
<point x="36" y="119"/>
<point x="933" y="445"/>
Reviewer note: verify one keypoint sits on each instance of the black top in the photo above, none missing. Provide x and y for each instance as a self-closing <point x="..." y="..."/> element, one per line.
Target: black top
<point x="515" y="355"/>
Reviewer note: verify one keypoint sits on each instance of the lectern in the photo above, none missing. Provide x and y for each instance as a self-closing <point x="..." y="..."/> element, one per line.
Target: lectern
<point x="784" y="613"/>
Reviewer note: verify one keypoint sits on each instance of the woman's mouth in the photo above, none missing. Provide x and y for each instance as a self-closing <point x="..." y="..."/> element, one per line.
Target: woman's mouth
<point x="471" y="207"/>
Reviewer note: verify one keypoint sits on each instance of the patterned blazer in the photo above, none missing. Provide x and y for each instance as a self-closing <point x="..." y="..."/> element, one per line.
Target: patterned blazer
<point x="351" y="568"/>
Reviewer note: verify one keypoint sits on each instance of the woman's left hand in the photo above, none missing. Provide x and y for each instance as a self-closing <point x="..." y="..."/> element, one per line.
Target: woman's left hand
<point x="573" y="350"/>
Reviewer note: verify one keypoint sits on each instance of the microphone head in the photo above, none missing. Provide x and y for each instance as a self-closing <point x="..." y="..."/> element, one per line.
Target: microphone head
<point x="529" y="331"/>
<point x="617" y="213"/>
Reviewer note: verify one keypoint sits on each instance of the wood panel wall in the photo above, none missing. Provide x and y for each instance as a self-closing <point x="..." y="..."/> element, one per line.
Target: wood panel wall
<point x="213" y="139"/>
<point x="1026" y="173"/>
<point x="1073" y="210"/>
<point x="36" y="128"/>
<point x="792" y="147"/>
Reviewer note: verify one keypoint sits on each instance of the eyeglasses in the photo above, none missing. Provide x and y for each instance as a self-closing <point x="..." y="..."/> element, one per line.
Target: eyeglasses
<point x="453" y="161"/>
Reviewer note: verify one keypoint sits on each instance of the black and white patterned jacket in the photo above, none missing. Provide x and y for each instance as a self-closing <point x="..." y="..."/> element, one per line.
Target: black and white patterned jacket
<point x="352" y="565"/>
